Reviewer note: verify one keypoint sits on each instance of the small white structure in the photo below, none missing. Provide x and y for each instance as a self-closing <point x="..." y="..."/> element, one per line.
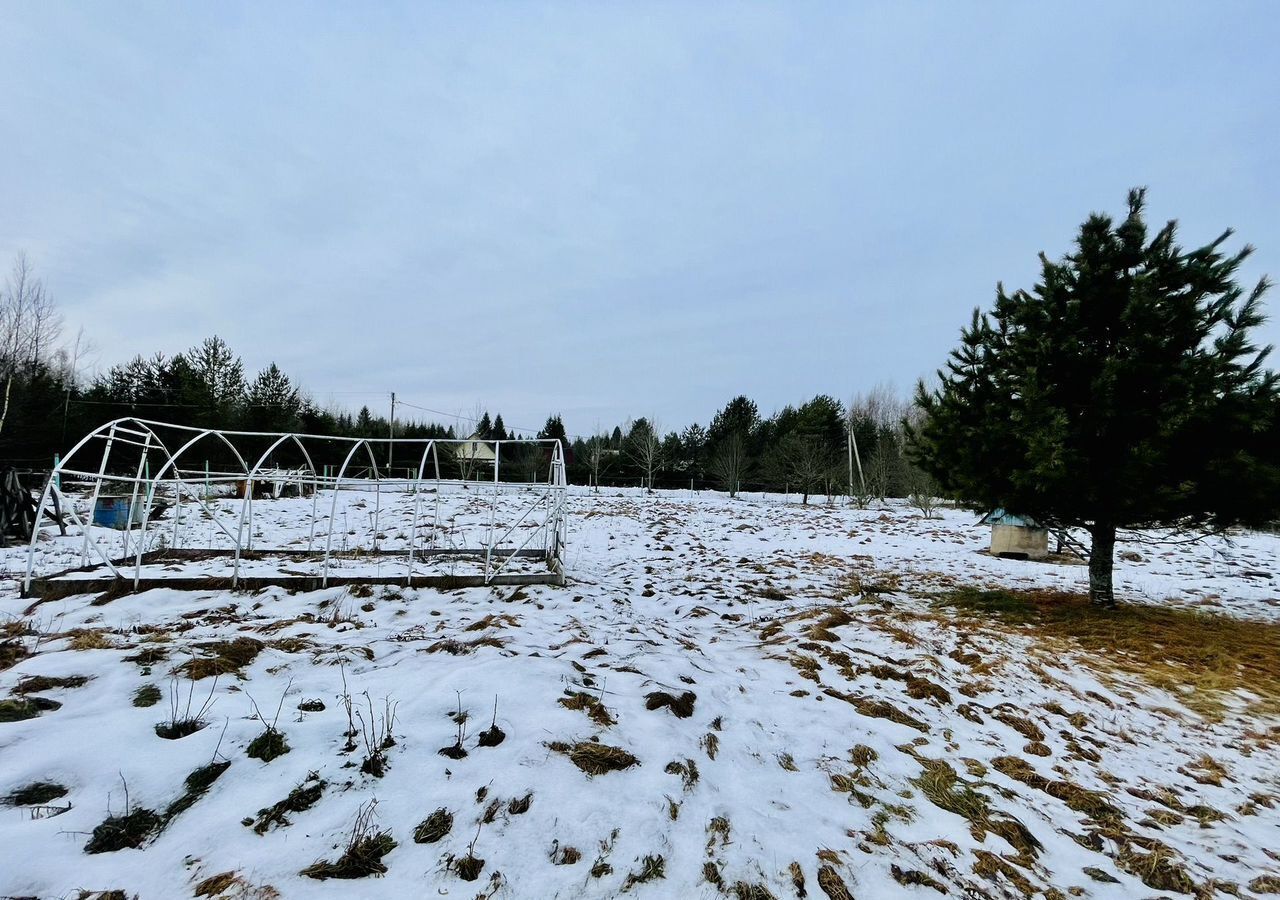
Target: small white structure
<point x="475" y="451"/>
<point x="1016" y="537"/>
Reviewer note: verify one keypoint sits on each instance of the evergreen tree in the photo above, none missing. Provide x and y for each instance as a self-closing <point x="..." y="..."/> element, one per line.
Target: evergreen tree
<point x="1122" y="391"/>
<point x="484" y="430"/>
<point x="274" y="403"/>
<point x="555" y="429"/>
<point x="218" y="385"/>
<point x="694" y="441"/>
<point x="499" y="429"/>
<point x="364" y="424"/>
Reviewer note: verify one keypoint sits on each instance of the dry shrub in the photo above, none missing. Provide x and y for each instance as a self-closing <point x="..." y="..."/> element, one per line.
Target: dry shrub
<point x="681" y="707"/>
<point x="364" y="851"/>
<point x="592" y="706"/>
<point x="595" y="758"/>
<point x="1200" y="656"/>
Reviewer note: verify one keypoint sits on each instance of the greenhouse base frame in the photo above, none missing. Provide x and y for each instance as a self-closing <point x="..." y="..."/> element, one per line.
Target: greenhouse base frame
<point x="112" y="576"/>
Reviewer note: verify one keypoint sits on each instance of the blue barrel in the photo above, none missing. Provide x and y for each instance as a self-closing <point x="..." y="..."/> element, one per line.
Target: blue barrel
<point x="113" y="512"/>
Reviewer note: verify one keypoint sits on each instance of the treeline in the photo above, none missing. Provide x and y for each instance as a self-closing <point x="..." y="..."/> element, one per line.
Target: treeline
<point x="821" y="447"/>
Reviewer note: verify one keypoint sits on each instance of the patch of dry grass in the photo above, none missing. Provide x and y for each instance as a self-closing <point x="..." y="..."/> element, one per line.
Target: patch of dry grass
<point x="463" y="648"/>
<point x="225" y="658"/>
<point x="681" y="707"/>
<point x="595" y="758"/>
<point x="1198" y="656"/>
<point x="590" y="705"/>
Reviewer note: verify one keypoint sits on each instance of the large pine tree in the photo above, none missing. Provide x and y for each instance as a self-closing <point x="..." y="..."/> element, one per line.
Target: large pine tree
<point x="1122" y="391"/>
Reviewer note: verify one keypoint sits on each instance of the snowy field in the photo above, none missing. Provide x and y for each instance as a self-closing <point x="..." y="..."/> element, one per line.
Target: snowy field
<point x="748" y="698"/>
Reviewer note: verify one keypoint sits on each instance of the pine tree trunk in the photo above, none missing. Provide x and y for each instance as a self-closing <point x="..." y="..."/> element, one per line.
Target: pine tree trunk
<point x="1101" y="563"/>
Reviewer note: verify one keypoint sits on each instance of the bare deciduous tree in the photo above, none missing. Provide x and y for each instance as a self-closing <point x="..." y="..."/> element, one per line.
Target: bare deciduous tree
<point x="598" y="457"/>
<point x="728" y="462"/>
<point x="644" y="447"/>
<point x="921" y="491"/>
<point x="29" y="324"/>
<point x="803" y="461"/>
<point x="468" y="456"/>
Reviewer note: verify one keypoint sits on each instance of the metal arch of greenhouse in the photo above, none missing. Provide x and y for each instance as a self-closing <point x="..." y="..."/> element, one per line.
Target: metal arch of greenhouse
<point x="543" y="517"/>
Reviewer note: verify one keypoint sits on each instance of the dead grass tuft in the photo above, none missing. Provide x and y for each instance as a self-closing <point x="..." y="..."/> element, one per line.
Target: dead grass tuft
<point x="225" y="658"/>
<point x="90" y="639"/>
<point x="687" y="770"/>
<point x="878" y="709"/>
<point x="17" y="710"/>
<point x="464" y="648"/>
<point x="12" y="653"/>
<point x="433" y="827"/>
<point x="946" y="790"/>
<point x="744" y="890"/>
<point x="590" y="705"/>
<point x="565" y="856"/>
<point x="651" y="868"/>
<point x="35" y="794"/>
<point x="832" y="884"/>
<point x="128" y="831"/>
<point x="1087" y="802"/>
<point x="363" y="854"/>
<point x="681" y="707"/>
<point x="147" y="695"/>
<point x="300" y="799"/>
<point x="595" y="758"/>
<point x="912" y="877"/>
<point x="35" y="684"/>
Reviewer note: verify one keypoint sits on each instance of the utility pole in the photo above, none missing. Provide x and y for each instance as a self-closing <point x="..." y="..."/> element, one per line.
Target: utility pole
<point x="391" y="433"/>
<point x="855" y="455"/>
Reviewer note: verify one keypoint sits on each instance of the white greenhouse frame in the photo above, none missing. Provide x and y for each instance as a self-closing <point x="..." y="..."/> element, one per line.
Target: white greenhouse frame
<point x="541" y="514"/>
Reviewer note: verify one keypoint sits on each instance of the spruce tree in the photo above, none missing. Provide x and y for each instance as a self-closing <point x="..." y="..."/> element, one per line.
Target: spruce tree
<point x="1122" y="391"/>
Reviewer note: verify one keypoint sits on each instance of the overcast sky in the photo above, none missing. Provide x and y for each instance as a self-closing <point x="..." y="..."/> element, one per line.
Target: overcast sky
<point x="607" y="209"/>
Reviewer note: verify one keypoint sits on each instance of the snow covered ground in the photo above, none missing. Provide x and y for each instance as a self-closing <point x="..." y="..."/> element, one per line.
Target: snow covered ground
<point x="789" y="716"/>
